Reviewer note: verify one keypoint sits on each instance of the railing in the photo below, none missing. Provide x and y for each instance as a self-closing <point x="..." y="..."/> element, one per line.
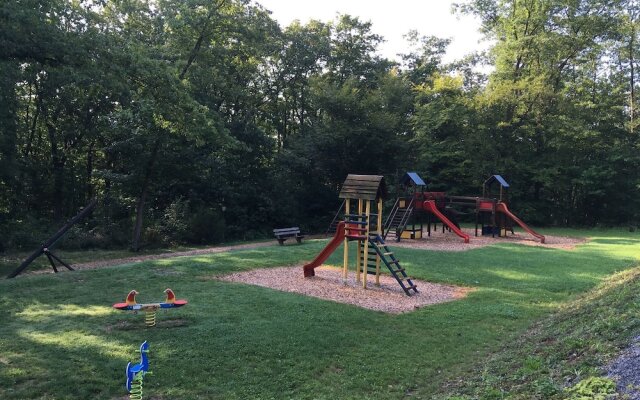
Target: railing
<point x="334" y="221"/>
<point x="394" y="213"/>
<point x="407" y="215"/>
<point x="389" y="221"/>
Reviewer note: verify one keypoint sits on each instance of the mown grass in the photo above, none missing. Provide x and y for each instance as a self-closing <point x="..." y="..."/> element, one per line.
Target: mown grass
<point x="10" y="260"/>
<point x="60" y="339"/>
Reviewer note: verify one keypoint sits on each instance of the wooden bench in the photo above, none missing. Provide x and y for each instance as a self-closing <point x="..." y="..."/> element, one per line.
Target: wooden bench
<point x="286" y="233"/>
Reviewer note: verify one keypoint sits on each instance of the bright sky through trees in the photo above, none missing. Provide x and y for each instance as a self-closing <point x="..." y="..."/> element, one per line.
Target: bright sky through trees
<point x="391" y="20"/>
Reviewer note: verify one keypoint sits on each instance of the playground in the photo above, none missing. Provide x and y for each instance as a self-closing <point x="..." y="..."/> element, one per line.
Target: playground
<point x="235" y="340"/>
<point x="272" y="200"/>
<point x="349" y="316"/>
<point x="352" y="316"/>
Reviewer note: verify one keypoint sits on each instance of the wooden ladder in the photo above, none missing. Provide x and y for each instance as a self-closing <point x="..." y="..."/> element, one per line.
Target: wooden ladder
<point x="379" y="248"/>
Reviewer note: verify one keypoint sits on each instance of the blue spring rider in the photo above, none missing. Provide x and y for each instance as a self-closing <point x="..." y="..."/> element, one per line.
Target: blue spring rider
<point x="136" y="373"/>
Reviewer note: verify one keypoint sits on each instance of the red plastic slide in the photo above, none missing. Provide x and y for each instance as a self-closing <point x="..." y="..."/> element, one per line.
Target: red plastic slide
<point x="326" y="252"/>
<point x="501" y="207"/>
<point x="430" y="205"/>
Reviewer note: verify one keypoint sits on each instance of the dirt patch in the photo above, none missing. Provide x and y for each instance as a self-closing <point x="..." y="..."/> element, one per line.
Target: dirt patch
<point x="122" y="326"/>
<point x="171" y="323"/>
<point x="137" y="323"/>
<point x="165" y="272"/>
<point x="328" y="284"/>
<point x="449" y="241"/>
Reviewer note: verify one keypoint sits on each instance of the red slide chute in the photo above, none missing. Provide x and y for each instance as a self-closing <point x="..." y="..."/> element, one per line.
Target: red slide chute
<point x="501" y="207"/>
<point x="326" y="252"/>
<point x="430" y="205"/>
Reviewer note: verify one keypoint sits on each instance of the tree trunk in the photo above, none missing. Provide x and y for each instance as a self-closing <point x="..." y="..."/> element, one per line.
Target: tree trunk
<point x="57" y="169"/>
<point x="89" y="186"/>
<point x="32" y="124"/>
<point x="135" y="245"/>
<point x="137" y="231"/>
<point x="8" y="135"/>
<point x="632" y="83"/>
<point x="196" y="47"/>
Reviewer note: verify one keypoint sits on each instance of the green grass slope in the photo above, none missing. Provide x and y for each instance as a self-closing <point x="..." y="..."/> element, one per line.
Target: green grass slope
<point x="562" y="355"/>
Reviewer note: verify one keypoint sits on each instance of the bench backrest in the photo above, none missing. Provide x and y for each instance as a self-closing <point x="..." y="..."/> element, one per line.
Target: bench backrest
<point x="286" y="231"/>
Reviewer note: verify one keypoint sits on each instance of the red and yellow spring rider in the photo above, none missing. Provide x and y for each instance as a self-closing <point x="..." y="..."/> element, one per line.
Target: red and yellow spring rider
<point x="149" y="309"/>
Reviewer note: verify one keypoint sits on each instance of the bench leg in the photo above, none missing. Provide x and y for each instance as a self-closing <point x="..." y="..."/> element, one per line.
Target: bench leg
<point x="299" y="240"/>
<point x="281" y="241"/>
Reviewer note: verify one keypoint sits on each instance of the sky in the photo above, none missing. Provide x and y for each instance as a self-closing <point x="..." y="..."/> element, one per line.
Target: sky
<point x="390" y="19"/>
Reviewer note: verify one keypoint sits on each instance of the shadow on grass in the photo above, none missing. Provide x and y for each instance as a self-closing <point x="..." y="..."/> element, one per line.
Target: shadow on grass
<point x="617" y="241"/>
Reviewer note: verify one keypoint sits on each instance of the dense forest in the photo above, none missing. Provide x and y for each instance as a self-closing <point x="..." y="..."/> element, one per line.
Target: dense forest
<point x="198" y="121"/>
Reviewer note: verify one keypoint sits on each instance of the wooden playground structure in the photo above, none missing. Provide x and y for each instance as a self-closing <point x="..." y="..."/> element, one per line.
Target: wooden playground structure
<point x="359" y="225"/>
<point x="492" y="215"/>
<point x="362" y="194"/>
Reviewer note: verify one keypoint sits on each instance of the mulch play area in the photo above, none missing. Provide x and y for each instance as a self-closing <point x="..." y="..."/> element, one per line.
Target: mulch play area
<point x="388" y="297"/>
<point x="327" y="284"/>
<point x="448" y="241"/>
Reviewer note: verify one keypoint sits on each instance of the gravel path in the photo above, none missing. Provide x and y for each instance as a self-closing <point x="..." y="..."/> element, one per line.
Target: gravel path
<point x="625" y="370"/>
<point x="328" y="285"/>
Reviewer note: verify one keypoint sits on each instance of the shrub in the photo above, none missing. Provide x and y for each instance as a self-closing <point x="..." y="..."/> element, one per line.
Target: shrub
<point x="592" y="388"/>
<point x="206" y="225"/>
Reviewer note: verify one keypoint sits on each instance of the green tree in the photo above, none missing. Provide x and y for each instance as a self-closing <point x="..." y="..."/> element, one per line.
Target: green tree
<point x="543" y="48"/>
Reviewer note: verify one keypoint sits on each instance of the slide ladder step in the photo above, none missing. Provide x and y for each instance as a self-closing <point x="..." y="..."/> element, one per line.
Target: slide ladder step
<point x="356" y="237"/>
<point x="398" y="273"/>
<point x="369" y="272"/>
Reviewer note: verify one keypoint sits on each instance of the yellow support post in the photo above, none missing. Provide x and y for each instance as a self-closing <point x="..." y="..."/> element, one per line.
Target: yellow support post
<point x="365" y="254"/>
<point x="379" y="231"/>
<point x="345" y="264"/>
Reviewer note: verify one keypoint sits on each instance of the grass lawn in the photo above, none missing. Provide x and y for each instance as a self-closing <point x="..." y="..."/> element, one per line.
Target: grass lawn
<point x="9" y="261"/>
<point x="60" y="339"/>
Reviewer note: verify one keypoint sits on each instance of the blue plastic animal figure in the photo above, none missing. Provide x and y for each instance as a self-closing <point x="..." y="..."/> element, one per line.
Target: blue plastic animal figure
<point x="135" y="373"/>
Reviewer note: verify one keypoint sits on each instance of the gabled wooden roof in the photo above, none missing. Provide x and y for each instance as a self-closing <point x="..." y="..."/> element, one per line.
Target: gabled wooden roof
<point x="366" y="187"/>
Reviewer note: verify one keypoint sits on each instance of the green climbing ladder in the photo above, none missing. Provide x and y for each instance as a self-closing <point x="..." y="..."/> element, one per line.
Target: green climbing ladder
<point x="378" y="248"/>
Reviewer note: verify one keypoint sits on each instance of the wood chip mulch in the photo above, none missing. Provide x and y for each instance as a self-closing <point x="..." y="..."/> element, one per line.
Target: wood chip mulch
<point x="328" y="284"/>
<point x="449" y="241"/>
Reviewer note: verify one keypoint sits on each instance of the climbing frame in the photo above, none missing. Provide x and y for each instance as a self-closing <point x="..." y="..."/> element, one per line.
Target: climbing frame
<point x="361" y="194"/>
